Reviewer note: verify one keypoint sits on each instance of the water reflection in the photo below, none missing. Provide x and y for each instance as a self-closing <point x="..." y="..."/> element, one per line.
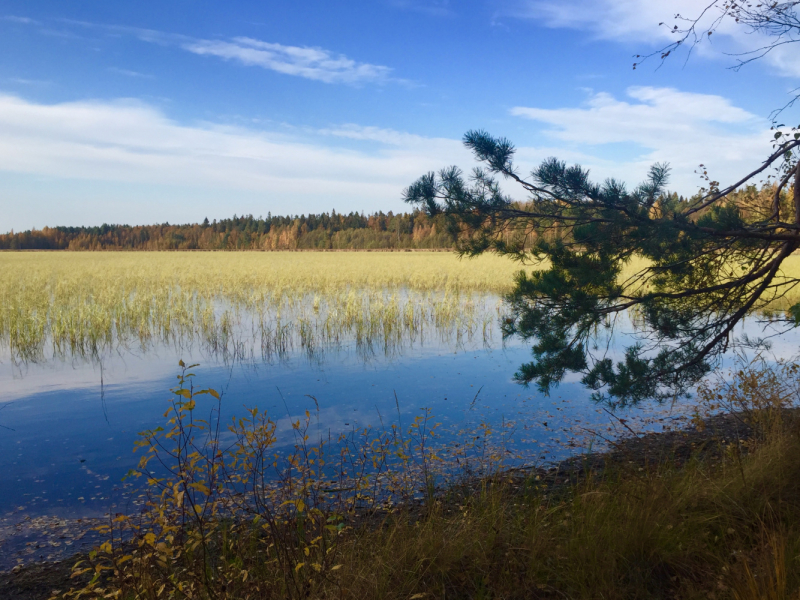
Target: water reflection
<point x="267" y="326"/>
<point x="67" y="426"/>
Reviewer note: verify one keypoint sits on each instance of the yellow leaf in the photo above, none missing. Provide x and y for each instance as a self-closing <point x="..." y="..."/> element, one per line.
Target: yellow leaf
<point x="201" y="487"/>
<point x="79" y="572"/>
<point x="417" y="596"/>
<point x="336" y="567"/>
<point x="298" y="567"/>
<point x="150" y="538"/>
<point x="214" y="393"/>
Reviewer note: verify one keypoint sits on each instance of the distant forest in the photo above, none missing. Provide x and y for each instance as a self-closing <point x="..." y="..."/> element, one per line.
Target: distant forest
<point x="334" y="231"/>
<point x="325" y="231"/>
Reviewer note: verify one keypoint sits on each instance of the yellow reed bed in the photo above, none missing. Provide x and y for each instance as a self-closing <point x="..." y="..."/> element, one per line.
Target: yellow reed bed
<point x="85" y="303"/>
<point x="82" y="303"/>
<point x="237" y="271"/>
<point x="785" y="295"/>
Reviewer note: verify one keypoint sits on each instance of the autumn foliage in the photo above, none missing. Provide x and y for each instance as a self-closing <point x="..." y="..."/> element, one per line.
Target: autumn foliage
<point x="324" y="231"/>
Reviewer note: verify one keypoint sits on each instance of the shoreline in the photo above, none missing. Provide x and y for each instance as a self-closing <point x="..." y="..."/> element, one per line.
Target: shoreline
<point x="38" y="579"/>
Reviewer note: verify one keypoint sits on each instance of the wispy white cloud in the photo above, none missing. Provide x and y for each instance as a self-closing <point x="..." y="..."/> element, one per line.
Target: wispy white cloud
<point x="375" y="134"/>
<point x="656" y="113"/>
<point x="128" y="142"/>
<point x="20" y="20"/>
<point x="660" y="125"/>
<point x="130" y="73"/>
<point x="127" y="161"/>
<point x="436" y="8"/>
<point x="650" y="23"/>
<point x="309" y="62"/>
<point x="26" y="81"/>
<point x="301" y="61"/>
<point x="624" y="20"/>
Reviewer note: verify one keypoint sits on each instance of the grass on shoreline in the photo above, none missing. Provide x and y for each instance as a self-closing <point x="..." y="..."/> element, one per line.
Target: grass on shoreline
<point x="705" y="531"/>
<point x="723" y="523"/>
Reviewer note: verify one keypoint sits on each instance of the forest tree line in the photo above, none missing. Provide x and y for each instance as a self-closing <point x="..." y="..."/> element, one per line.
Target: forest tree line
<point x="324" y="231"/>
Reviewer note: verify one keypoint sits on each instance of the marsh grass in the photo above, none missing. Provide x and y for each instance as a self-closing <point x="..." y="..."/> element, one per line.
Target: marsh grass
<point x="258" y="304"/>
<point x="59" y="304"/>
<point x="723" y="525"/>
<point x="262" y="304"/>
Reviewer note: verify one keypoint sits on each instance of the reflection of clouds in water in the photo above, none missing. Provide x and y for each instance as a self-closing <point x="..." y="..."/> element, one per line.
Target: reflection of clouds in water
<point x="118" y="368"/>
<point x="57" y="411"/>
<point x="272" y="328"/>
<point x="313" y="342"/>
<point x="331" y="421"/>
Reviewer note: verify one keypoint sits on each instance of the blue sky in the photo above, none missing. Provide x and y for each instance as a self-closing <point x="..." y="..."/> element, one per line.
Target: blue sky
<point x="175" y="110"/>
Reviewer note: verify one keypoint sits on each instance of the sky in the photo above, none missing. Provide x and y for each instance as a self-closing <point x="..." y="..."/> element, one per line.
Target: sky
<point x="172" y="111"/>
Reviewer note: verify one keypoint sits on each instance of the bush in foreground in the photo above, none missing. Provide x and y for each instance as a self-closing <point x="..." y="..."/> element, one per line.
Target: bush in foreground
<point x="723" y="525"/>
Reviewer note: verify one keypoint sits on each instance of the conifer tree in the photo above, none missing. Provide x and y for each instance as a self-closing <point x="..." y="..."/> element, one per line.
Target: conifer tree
<point x="704" y="263"/>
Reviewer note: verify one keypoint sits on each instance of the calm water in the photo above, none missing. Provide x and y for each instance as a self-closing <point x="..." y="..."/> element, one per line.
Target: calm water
<point x="67" y="427"/>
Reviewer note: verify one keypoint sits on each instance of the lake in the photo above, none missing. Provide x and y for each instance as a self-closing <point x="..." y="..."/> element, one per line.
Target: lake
<point x="69" y="419"/>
